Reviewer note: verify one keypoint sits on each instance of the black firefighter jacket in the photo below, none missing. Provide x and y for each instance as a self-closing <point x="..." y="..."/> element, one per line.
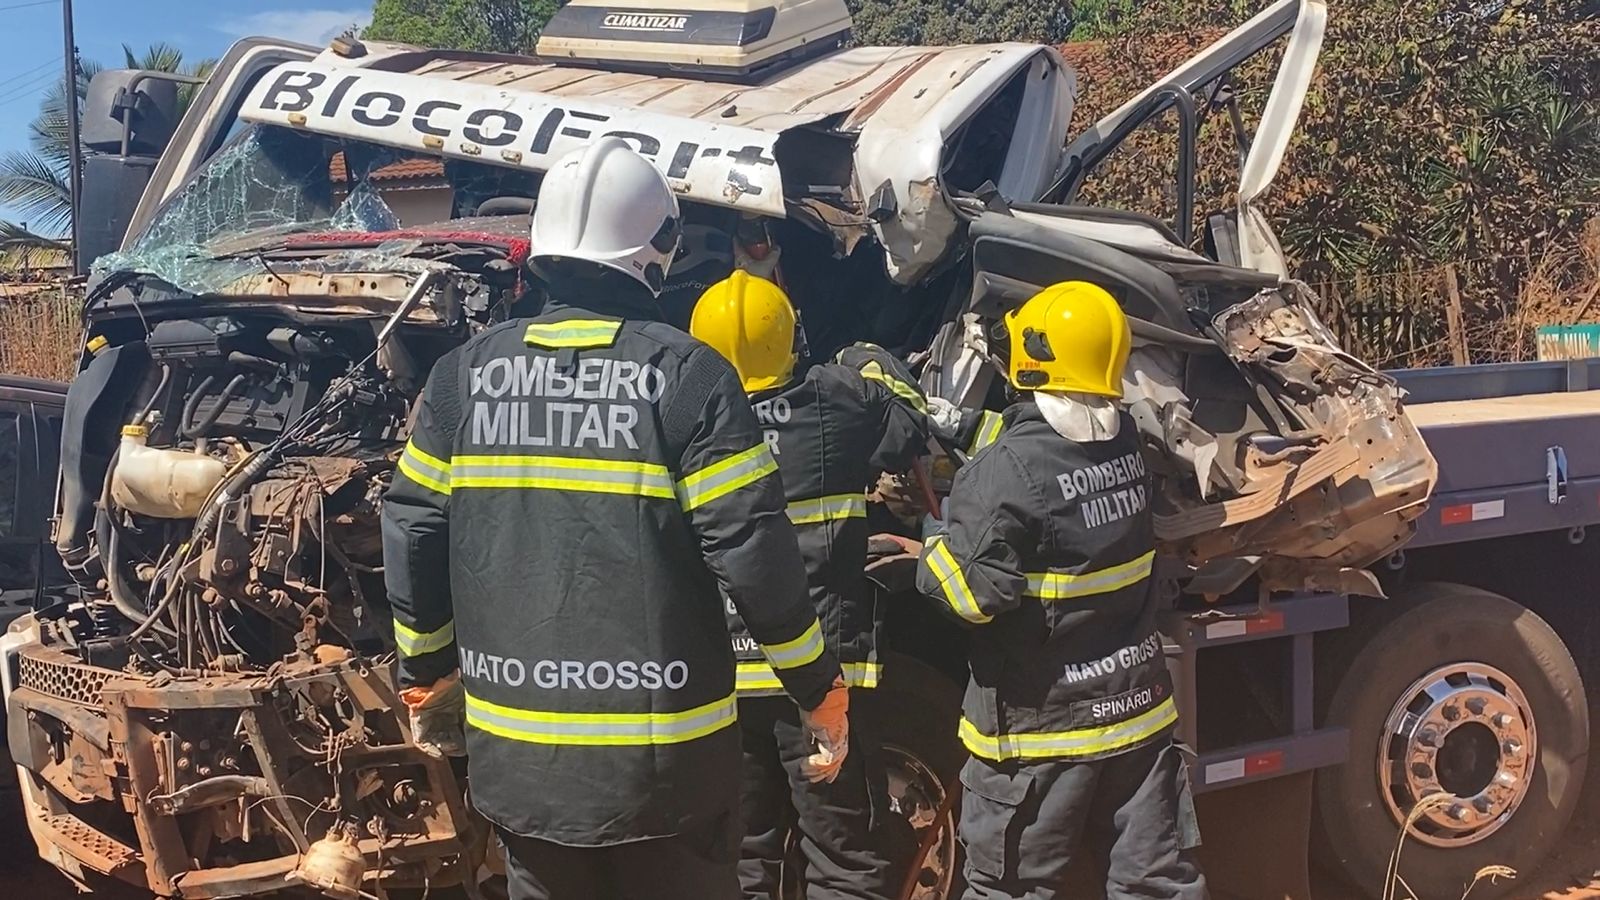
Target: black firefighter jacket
<point x="578" y="491"/>
<point x="833" y="432"/>
<point x="1049" y="555"/>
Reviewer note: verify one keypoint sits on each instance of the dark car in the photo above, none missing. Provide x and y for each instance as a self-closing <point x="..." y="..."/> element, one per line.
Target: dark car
<point x="30" y="439"/>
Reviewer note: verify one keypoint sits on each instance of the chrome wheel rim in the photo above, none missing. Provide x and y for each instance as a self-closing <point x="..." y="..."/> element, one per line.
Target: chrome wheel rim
<point x="917" y="794"/>
<point x="1464" y="731"/>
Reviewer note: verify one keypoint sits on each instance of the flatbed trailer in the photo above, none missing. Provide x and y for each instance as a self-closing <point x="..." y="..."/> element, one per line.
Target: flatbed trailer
<point x="1467" y="680"/>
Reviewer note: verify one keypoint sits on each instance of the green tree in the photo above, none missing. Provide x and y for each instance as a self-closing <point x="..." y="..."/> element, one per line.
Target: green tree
<point x="501" y="26"/>
<point x="938" y="22"/>
<point x="35" y="182"/>
<point x="1437" y="133"/>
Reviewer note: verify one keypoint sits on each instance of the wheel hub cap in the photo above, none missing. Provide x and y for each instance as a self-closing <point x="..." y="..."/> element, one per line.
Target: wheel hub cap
<point x="1464" y="732"/>
<point x="916" y="794"/>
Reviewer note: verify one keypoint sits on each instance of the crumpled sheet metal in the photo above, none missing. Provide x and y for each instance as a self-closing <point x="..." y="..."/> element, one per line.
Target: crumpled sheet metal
<point x="1353" y="480"/>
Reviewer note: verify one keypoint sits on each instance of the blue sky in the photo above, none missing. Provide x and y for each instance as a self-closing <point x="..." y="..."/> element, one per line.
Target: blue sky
<point x="30" y="38"/>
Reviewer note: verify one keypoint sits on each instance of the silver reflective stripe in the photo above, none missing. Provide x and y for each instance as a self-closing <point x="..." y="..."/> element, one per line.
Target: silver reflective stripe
<point x="411" y="642"/>
<point x="905" y="391"/>
<point x="601" y="729"/>
<point x="425" y="469"/>
<point x="942" y="563"/>
<point x="758" y="676"/>
<point x="726" y="476"/>
<point x="792" y="654"/>
<point x="1055" y="585"/>
<point x="828" y="509"/>
<point x="562" y="474"/>
<point x="573" y="333"/>
<point x="1076" y="743"/>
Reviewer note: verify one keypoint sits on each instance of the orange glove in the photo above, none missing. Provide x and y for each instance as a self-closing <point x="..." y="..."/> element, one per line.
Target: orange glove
<point x="829" y="726"/>
<point x="438" y="716"/>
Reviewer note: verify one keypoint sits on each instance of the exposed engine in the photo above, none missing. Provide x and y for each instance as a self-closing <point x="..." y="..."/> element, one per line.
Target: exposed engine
<point x="217" y="717"/>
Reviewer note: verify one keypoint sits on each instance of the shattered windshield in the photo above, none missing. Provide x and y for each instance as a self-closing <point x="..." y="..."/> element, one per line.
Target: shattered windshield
<point x="271" y="183"/>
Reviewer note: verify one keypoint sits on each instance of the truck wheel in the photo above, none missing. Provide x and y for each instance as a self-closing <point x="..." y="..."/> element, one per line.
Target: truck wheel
<point x="1467" y="695"/>
<point x="913" y="715"/>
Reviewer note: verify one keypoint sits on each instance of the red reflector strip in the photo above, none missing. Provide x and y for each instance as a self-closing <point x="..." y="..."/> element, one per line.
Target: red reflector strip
<point x="1251" y="766"/>
<point x="1228" y="628"/>
<point x="1264" y="763"/>
<point x="1264" y="624"/>
<point x="1472" y="512"/>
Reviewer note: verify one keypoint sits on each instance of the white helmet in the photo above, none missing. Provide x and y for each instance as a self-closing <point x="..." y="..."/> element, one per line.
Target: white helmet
<point x="607" y="205"/>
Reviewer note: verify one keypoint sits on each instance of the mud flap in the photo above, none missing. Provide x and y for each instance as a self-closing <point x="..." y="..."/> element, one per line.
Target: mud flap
<point x="1257" y="839"/>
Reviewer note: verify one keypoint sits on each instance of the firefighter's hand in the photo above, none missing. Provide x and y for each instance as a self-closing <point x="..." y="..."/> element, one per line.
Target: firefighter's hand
<point x="438" y="716"/>
<point x="829" y="727"/>
<point x="893" y="544"/>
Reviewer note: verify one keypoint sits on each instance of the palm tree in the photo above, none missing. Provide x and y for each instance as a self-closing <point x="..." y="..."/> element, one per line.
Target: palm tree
<point x="35" y="182"/>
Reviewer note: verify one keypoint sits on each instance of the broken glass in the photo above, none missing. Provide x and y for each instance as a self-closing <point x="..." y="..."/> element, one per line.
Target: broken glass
<point x="267" y="184"/>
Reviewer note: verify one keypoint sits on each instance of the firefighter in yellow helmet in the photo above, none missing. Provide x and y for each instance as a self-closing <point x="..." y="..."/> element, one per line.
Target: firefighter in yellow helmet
<point x="832" y="431"/>
<point x="1048" y="556"/>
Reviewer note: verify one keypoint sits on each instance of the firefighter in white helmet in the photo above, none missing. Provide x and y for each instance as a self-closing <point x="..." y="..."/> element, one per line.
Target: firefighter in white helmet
<point x="580" y="491"/>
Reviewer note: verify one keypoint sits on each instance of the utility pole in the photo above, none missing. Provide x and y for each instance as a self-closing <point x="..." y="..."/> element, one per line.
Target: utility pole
<point x="74" y="155"/>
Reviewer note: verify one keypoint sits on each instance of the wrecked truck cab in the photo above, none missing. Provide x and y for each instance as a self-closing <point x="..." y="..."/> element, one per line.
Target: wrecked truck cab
<point x="218" y="710"/>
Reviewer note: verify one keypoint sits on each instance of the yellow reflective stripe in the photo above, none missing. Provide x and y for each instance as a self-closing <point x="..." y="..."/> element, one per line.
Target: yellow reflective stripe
<point x="1051" y="585"/>
<point x="556" y="473"/>
<point x="601" y="729"/>
<point x="793" y="654"/>
<point x="411" y="642"/>
<point x="910" y="393"/>
<point x="988" y="432"/>
<point x="862" y="675"/>
<point x="828" y="509"/>
<point x="758" y="676"/>
<point x="425" y="469"/>
<point x="1069" y="744"/>
<point x="726" y="476"/>
<point x="939" y="560"/>
<point x="573" y="333"/>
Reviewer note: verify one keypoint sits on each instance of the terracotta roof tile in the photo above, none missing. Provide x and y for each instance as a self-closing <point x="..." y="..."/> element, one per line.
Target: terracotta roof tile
<point x="420" y="169"/>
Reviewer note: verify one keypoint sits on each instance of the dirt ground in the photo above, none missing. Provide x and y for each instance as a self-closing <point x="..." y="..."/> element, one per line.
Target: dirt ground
<point x="1573" y="873"/>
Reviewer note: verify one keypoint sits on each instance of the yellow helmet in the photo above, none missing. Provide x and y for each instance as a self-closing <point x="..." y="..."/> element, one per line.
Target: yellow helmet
<point x="750" y="321"/>
<point x="1070" y="336"/>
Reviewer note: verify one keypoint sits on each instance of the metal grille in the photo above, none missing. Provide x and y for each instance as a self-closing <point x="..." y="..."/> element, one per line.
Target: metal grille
<point x="73" y="682"/>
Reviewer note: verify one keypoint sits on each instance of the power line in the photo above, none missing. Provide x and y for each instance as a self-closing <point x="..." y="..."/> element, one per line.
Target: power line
<point x="27" y="72"/>
<point x="26" y="5"/>
<point x="27" y="88"/>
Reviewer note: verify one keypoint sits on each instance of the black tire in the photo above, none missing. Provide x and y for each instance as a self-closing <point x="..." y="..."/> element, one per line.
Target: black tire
<point x="914" y="714"/>
<point x="1442" y="624"/>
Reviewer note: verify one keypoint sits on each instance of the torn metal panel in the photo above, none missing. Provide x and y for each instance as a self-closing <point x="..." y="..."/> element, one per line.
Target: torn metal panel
<point x="904" y="143"/>
<point x="1340" y="491"/>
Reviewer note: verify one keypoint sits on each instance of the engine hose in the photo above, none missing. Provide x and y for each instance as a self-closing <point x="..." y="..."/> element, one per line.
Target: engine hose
<point x="113" y="561"/>
<point x="161" y="388"/>
<point x="193" y="403"/>
<point x="202" y="427"/>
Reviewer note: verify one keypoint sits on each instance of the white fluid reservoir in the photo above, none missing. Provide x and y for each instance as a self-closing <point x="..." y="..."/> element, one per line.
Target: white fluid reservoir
<point x="166" y="484"/>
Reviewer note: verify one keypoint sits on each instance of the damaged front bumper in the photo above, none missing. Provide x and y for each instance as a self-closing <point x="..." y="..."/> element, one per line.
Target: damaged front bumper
<point x="136" y="778"/>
